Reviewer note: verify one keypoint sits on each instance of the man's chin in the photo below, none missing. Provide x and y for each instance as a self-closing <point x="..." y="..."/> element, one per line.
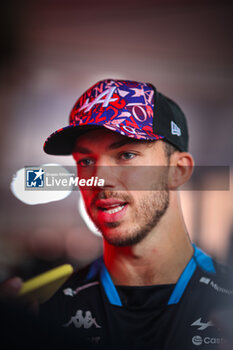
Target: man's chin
<point x="113" y="234"/>
<point x="119" y="239"/>
<point x="112" y="224"/>
<point x="107" y="226"/>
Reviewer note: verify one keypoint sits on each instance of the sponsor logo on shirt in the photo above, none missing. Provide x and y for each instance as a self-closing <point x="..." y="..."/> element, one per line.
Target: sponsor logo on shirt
<point x="72" y="292"/>
<point x="82" y="319"/>
<point x="198" y="340"/>
<point x="215" y="286"/>
<point x="205" y="280"/>
<point x="202" y="325"/>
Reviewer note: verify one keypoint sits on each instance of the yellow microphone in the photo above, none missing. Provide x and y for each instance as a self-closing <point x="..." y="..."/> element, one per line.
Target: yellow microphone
<point x="43" y="286"/>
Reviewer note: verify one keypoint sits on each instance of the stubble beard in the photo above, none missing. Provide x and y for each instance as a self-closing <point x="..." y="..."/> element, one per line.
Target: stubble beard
<point x="149" y="212"/>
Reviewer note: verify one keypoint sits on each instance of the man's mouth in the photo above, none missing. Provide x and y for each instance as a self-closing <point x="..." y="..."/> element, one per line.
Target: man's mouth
<point x="113" y="209"/>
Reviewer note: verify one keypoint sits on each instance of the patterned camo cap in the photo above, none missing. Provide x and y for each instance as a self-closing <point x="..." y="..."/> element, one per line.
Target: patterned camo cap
<point x="131" y="108"/>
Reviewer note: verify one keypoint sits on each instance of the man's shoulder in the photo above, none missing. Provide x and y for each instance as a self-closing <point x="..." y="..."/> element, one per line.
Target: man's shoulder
<point x="224" y="276"/>
<point x="83" y="278"/>
<point x="81" y="287"/>
<point x="210" y="268"/>
<point x="222" y="270"/>
<point x="215" y="285"/>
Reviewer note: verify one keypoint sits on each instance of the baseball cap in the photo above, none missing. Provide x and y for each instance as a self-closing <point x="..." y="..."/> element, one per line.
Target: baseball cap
<point x="131" y="108"/>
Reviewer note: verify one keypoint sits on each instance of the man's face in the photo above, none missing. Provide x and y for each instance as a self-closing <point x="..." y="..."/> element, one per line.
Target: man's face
<point x="123" y="215"/>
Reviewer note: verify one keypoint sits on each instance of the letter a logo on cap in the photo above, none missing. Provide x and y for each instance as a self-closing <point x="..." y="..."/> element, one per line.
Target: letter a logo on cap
<point x="175" y="130"/>
<point x="99" y="99"/>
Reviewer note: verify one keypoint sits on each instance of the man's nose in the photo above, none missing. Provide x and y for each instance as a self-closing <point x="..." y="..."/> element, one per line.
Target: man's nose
<point x="107" y="174"/>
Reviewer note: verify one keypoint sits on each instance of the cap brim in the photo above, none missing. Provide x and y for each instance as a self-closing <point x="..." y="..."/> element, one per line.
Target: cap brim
<point x="62" y="141"/>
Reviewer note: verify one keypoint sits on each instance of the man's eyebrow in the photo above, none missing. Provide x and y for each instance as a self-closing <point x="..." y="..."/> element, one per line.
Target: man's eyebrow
<point x="121" y="143"/>
<point x="114" y="145"/>
<point x="81" y="149"/>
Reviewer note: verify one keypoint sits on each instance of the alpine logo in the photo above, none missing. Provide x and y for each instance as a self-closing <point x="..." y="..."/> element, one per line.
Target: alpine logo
<point x="202" y="325"/>
<point x="175" y="130"/>
<point x="87" y="106"/>
<point x="82" y="320"/>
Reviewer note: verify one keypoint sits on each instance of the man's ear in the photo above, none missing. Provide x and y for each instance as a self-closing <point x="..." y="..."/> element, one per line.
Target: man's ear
<point x="180" y="170"/>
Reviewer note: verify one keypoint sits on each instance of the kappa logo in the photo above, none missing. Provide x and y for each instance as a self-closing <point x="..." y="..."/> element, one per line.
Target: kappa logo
<point x="202" y="325"/>
<point x="79" y="320"/>
<point x="175" y="130"/>
<point x="99" y="99"/>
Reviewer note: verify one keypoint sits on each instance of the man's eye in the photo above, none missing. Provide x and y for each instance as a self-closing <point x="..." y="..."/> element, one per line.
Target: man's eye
<point x="127" y="155"/>
<point x="85" y="162"/>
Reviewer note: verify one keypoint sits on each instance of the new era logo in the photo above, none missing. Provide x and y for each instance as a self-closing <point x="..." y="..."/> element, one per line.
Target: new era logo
<point x="35" y="178"/>
<point x="175" y="130"/>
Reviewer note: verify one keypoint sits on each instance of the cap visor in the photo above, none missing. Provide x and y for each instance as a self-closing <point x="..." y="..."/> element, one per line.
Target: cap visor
<point x="62" y="141"/>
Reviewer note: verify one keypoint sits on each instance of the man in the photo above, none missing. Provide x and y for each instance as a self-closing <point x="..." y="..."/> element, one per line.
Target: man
<point x="152" y="289"/>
